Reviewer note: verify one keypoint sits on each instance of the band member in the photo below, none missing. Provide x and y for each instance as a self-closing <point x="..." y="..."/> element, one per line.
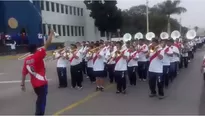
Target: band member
<point x="156" y="70"/>
<point x="175" y="59"/>
<point x="168" y="53"/>
<point x="80" y="48"/>
<point x="75" y="67"/>
<point x="35" y="67"/>
<point x="61" y="68"/>
<point x="121" y="57"/>
<point x="98" y="67"/>
<point x="132" y="65"/>
<point x="142" y="61"/>
<point x="111" y="63"/>
<point x="184" y="53"/>
<point x="89" y="58"/>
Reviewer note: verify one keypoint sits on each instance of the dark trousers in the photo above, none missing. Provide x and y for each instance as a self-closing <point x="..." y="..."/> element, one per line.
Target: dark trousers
<point x="153" y="79"/>
<point x="142" y="70"/>
<point x="90" y="74"/>
<point x="172" y="71"/>
<point x="185" y="62"/>
<point x="181" y="62"/>
<point x="132" y="74"/>
<point x="121" y="80"/>
<point x="190" y="55"/>
<point x="76" y="75"/>
<point x="62" y="76"/>
<point x="41" y="93"/>
<point x="166" y="72"/>
<point x="84" y="66"/>
<point x="110" y="69"/>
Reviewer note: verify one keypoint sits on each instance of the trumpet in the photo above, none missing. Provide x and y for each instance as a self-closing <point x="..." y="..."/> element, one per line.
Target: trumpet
<point x="153" y="49"/>
<point x="117" y="54"/>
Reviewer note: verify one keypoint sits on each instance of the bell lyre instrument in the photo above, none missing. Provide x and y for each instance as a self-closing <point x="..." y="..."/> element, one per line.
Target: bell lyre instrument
<point x="191" y="34"/>
<point x="175" y="34"/>
<point x="138" y="36"/>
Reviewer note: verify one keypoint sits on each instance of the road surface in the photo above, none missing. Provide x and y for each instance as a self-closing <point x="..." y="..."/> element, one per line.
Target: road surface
<point x="186" y="95"/>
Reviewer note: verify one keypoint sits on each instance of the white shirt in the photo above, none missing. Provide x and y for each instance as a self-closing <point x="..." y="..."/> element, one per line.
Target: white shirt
<point x="133" y="61"/>
<point x="156" y="65"/>
<point x="105" y="49"/>
<point x="13" y="46"/>
<point x="175" y="58"/>
<point x="81" y="51"/>
<point x="109" y="57"/>
<point x="89" y="60"/>
<point x="121" y="65"/>
<point x="62" y="62"/>
<point x="142" y="55"/>
<point x="75" y="61"/>
<point x="98" y="64"/>
<point x="166" y="58"/>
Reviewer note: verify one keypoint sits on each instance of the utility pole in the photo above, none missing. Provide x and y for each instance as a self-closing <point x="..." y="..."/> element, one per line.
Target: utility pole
<point x="147" y="13"/>
<point x="180" y="22"/>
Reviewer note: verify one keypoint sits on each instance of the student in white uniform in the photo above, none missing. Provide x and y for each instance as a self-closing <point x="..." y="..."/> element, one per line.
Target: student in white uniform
<point x="166" y="61"/>
<point x="175" y="59"/>
<point x="110" y="63"/>
<point x="156" y="70"/>
<point x="61" y="69"/>
<point x="98" y="68"/>
<point x="75" y="67"/>
<point x="121" y="58"/>
<point x="132" y="65"/>
<point x="89" y="59"/>
<point x="142" y="61"/>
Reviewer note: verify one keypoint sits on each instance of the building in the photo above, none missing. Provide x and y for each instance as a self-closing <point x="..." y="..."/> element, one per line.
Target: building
<point x="68" y="18"/>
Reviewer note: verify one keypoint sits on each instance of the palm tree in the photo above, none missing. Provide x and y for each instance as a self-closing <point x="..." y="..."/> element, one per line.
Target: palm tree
<point x="169" y="8"/>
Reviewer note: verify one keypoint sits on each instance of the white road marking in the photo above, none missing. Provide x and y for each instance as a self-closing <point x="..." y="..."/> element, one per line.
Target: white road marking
<point x="2" y="73"/>
<point x="17" y="81"/>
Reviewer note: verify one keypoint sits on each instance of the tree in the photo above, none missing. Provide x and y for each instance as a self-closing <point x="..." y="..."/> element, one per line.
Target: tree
<point x="169" y="8"/>
<point x="106" y="14"/>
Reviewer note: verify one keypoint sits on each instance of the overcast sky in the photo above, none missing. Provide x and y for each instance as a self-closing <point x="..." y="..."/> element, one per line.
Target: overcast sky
<point x="195" y="15"/>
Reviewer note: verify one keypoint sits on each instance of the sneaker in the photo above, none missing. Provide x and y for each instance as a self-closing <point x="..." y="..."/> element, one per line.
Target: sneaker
<point x="118" y="92"/>
<point x="140" y="79"/>
<point x="152" y="95"/>
<point x="124" y="92"/>
<point x="161" y="97"/>
<point x="97" y="88"/>
<point x="144" y="80"/>
<point x="101" y="88"/>
<point x="79" y="88"/>
<point x="87" y="77"/>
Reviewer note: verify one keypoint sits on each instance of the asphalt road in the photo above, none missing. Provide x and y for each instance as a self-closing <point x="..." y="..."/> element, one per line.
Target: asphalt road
<point x="186" y="95"/>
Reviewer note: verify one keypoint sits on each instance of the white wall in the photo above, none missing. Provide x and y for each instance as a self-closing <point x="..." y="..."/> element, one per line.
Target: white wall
<point x="91" y="33"/>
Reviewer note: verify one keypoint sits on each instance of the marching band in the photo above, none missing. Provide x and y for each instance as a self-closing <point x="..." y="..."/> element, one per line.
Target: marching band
<point x="153" y="59"/>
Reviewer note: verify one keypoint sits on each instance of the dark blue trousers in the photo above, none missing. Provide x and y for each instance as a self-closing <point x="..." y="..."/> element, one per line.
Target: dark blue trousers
<point x="142" y="70"/>
<point x="166" y="72"/>
<point x="41" y="93"/>
<point x="153" y="79"/>
<point x="62" y="76"/>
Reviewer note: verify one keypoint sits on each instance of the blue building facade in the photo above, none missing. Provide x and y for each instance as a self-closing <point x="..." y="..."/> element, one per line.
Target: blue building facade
<point x="27" y="16"/>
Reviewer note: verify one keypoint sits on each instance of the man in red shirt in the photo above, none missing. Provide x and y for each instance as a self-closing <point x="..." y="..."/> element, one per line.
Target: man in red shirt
<point x="34" y="66"/>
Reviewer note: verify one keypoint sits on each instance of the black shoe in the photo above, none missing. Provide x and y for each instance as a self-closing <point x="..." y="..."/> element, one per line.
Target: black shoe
<point x="152" y="95"/>
<point x="118" y="92"/>
<point x="102" y="89"/>
<point x="97" y="88"/>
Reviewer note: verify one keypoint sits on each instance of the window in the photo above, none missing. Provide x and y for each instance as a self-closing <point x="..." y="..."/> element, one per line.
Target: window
<point x="42" y="5"/>
<point x="64" y="30"/>
<point x="44" y="29"/>
<point x="78" y="10"/>
<point x="62" y="8"/>
<point x="59" y="30"/>
<point x="66" y="9"/>
<point x="76" y="31"/>
<point x="57" y="7"/>
<point x="71" y="10"/>
<point x="74" y="10"/>
<point x="81" y="11"/>
<point x="47" y="6"/>
<point x="54" y="27"/>
<point x="52" y="7"/>
<point x="72" y="34"/>
<point x="79" y="29"/>
<point x="68" y="30"/>
<point x="82" y="31"/>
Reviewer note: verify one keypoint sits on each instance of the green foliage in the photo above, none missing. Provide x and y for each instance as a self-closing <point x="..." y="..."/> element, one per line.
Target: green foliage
<point x="107" y="16"/>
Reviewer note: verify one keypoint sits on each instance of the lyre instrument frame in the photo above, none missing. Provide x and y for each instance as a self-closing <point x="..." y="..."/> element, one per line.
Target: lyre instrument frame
<point x="175" y="34"/>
